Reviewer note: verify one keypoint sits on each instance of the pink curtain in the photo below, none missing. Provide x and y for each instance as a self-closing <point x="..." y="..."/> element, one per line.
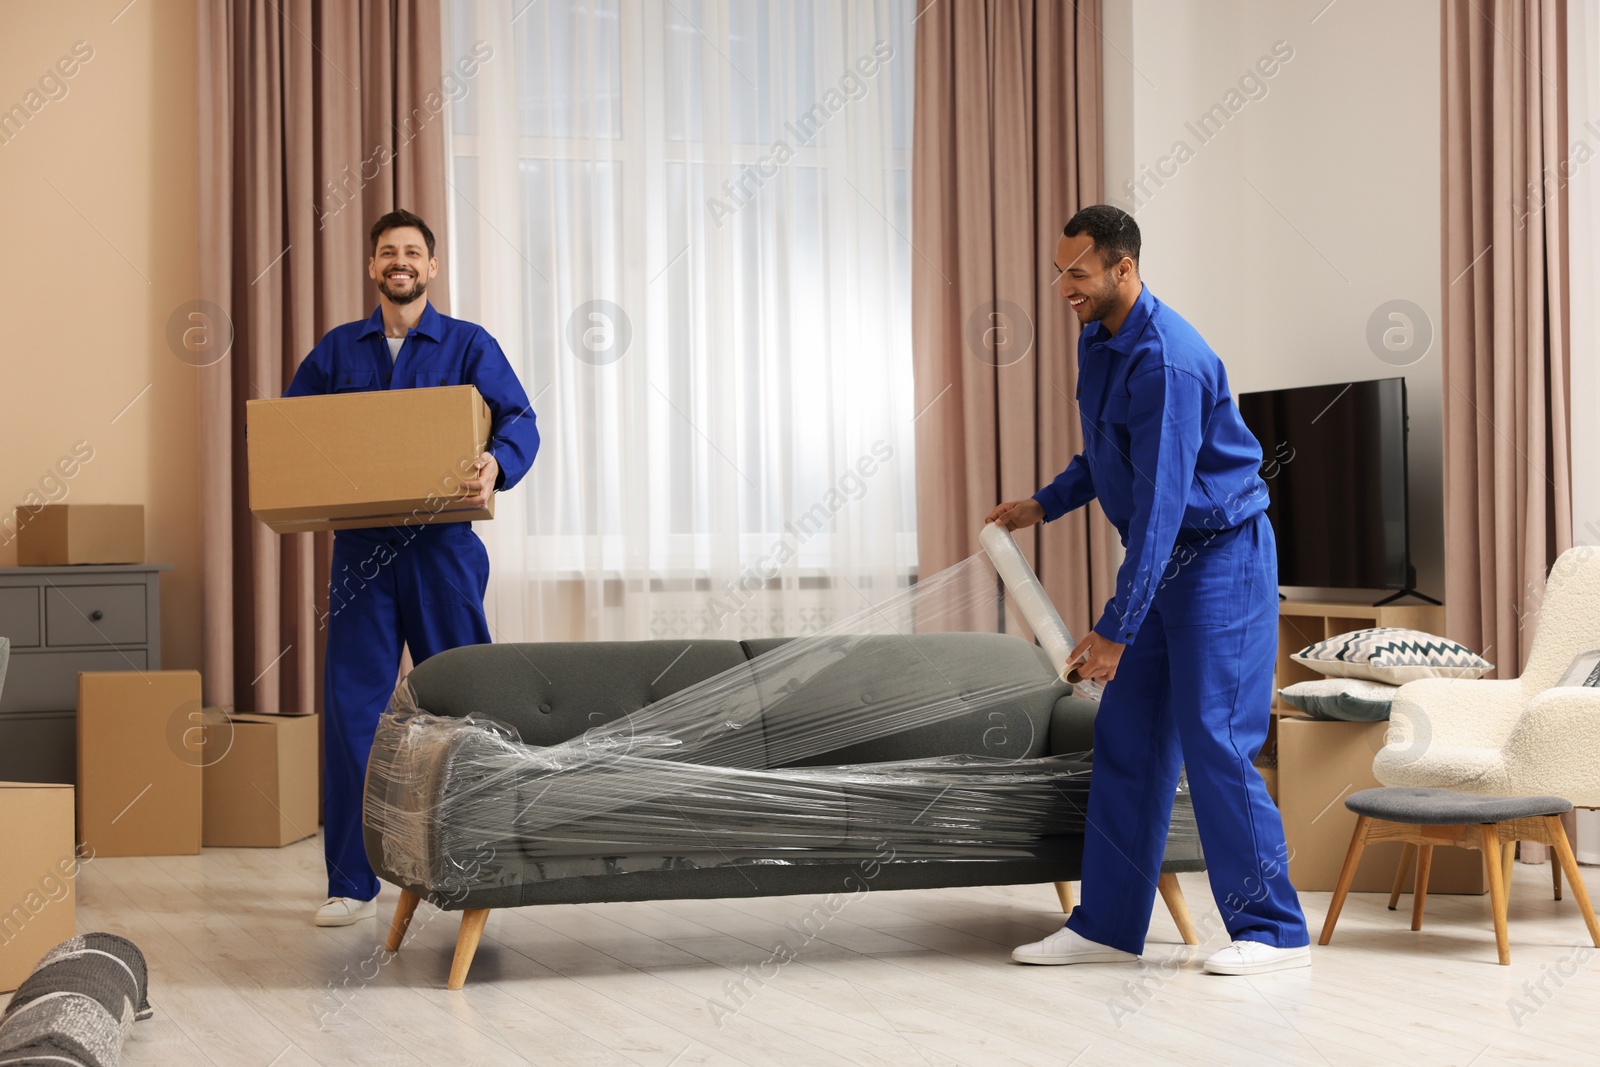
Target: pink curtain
<point x="1007" y="147"/>
<point x="1507" y="448"/>
<point x="316" y="117"/>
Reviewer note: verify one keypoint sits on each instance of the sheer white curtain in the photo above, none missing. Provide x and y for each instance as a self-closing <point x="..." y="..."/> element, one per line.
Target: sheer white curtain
<point x="687" y="222"/>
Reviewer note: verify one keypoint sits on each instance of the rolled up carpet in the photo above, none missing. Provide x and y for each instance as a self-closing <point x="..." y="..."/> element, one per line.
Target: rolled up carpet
<point x="77" y="1006"/>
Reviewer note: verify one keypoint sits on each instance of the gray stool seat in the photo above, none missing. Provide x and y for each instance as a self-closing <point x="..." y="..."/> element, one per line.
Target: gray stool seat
<point x="1446" y="807"/>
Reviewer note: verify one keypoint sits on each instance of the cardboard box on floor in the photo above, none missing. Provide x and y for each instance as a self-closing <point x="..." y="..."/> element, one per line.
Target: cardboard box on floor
<point x="140" y="747"/>
<point x="1319" y="764"/>
<point x="61" y="535"/>
<point x="260" y="779"/>
<point x="347" y="460"/>
<point x="38" y="872"/>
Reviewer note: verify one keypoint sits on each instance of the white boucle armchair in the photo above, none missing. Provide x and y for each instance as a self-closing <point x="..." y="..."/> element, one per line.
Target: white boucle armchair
<point x="1516" y="737"/>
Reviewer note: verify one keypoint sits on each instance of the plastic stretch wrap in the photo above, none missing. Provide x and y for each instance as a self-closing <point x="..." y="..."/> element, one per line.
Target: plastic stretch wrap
<point x="798" y="755"/>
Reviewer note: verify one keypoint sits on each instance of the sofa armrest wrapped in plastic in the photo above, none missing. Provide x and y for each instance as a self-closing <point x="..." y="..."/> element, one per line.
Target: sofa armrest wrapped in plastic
<point x="1072" y="724"/>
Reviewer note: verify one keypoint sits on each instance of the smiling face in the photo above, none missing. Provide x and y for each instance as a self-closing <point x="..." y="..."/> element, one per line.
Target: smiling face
<point x="1095" y="291"/>
<point x="401" y="265"/>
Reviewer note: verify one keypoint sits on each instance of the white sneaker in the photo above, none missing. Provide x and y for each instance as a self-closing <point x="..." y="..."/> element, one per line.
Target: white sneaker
<point x="1064" y="946"/>
<point x="1254" y="957"/>
<point x="342" y="911"/>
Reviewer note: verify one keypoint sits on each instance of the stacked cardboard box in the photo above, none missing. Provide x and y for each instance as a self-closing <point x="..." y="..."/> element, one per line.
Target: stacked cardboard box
<point x="260" y="779"/>
<point x="141" y="743"/>
<point x="38" y="876"/>
<point x="61" y="535"/>
<point x="1319" y="764"/>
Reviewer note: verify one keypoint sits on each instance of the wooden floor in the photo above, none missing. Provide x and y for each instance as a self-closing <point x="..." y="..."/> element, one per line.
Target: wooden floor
<point x="240" y="976"/>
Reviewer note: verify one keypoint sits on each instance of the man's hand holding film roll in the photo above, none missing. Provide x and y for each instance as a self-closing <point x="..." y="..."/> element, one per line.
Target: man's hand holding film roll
<point x="1094" y="660"/>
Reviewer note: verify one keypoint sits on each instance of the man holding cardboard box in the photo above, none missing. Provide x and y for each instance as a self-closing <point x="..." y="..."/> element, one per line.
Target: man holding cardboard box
<point x="418" y="585"/>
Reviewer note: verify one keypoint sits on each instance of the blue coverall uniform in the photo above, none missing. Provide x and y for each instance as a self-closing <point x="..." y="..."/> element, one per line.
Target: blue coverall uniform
<point x="415" y="585"/>
<point x="1178" y="473"/>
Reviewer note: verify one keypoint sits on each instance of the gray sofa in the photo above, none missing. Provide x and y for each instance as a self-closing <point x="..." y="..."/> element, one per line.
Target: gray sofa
<point x="551" y="693"/>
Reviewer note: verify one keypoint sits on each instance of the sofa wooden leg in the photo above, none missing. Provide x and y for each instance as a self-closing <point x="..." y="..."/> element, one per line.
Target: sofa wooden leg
<point x="1172" y="894"/>
<point x="1555" y="876"/>
<point x="472" y="921"/>
<point x="1064" y="894"/>
<point x="403" y="911"/>
<point x="1352" y="859"/>
<point x="1408" y="854"/>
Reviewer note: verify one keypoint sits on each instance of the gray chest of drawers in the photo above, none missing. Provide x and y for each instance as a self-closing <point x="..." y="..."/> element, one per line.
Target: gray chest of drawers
<point x="62" y="620"/>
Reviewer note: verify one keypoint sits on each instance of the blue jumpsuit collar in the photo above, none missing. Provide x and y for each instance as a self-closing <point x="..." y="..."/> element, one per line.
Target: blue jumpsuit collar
<point x="428" y="326"/>
<point x="1132" y="327"/>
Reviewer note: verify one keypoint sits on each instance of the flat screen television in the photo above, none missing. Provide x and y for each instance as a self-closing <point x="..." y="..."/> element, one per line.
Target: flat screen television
<point x="1334" y="460"/>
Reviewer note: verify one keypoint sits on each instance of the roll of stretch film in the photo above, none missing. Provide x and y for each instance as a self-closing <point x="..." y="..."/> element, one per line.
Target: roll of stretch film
<point x="1034" y="604"/>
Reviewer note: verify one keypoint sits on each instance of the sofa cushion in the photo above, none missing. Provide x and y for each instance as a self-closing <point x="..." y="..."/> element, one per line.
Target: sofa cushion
<point x="958" y="810"/>
<point x="554" y="691"/>
<point x="926" y="810"/>
<point x="902" y="674"/>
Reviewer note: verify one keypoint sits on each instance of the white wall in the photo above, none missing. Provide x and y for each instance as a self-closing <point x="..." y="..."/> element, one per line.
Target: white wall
<point x="1316" y="201"/>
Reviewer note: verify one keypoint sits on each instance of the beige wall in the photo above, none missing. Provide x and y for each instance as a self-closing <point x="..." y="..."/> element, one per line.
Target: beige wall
<point x="99" y="248"/>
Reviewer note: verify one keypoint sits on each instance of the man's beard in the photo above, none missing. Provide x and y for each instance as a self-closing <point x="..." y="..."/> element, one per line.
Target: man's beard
<point x="1102" y="303"/>
<point x="419" y="287"/>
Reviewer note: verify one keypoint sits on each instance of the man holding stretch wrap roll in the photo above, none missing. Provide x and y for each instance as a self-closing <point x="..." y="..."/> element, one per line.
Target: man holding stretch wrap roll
<point x="1186" y="646"/>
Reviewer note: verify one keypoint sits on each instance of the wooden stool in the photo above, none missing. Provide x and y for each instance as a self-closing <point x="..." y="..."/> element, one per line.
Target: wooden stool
<point x="1429" y="817"/>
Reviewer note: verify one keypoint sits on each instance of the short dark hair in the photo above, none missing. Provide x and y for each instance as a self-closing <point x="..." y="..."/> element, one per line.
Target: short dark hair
<point x="394" y="220"/>
<point x="1112" y="229"/>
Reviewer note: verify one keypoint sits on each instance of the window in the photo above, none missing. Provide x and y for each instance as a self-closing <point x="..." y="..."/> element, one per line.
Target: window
<point x="686" y="221"/>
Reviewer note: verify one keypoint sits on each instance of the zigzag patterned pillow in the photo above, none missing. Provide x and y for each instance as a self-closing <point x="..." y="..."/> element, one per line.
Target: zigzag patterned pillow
<point x="1393" y="655"/>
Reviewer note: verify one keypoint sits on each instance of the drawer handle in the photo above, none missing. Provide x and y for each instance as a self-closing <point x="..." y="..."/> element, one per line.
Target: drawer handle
<point x="96" y="615"/>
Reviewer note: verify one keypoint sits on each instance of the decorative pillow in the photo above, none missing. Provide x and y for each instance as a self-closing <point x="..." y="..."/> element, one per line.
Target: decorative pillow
<point x="1345" y="699"/>
<point x="1393" y="655"/>
<point x="1584" y="670"/>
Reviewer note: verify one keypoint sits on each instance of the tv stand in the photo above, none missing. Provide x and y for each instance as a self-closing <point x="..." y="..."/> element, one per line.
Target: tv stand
<point x="1410" y="589"/>
<point x="1407" y="591"/>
